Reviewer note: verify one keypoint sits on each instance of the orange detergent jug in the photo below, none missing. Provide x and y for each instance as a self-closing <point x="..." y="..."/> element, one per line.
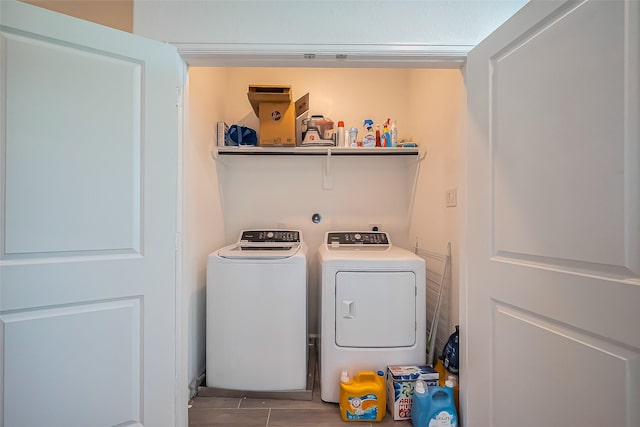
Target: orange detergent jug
<point x="444" y="376"/>
<point x="362" y="398"/>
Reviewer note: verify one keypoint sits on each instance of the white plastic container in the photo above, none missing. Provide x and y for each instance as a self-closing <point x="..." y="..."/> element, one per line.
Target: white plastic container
<point x="341" y="142"/>
<point x="394" y="134"/>
<point x="353" y="137"/>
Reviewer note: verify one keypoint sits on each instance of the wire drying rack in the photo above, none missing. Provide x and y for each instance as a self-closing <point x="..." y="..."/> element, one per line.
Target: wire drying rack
<point x="438" y="288"/>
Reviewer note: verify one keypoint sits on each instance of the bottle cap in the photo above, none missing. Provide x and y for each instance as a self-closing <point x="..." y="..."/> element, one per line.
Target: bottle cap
<point x="448" y="383"/>
<point x="421" y="387"/>
<point x="340" y="124"/>
<point x="452" y="378"/>
<point x="344" y="376"/>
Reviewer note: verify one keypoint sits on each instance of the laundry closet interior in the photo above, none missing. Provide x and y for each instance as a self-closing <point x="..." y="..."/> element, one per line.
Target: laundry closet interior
<point x="404" y="195"/>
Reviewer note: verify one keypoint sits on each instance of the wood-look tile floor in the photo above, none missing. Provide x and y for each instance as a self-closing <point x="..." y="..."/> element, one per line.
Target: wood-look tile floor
<point x="245" y="412"/>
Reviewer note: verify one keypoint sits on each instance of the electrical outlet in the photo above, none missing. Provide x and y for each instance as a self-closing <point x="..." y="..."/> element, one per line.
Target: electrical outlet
<point x="451" y="197"/>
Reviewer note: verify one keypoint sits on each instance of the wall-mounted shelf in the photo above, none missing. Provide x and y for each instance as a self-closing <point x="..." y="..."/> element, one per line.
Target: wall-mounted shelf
<point x="318" y="151"/>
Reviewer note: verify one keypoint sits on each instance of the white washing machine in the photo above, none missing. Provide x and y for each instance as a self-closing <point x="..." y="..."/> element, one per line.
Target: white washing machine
<point x="372" y="307"/>
<point x="257" y="313"/>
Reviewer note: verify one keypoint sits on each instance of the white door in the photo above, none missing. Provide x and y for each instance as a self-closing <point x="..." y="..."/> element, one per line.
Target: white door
<point x="88" y="216"/>
<point x="551" y="336"/>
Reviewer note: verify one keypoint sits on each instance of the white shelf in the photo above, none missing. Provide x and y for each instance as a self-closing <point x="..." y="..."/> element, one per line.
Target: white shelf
<point x="318" y="151"/>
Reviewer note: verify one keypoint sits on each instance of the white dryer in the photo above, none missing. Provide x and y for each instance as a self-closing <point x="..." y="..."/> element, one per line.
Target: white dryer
<point x="257" y="313"/>
<point x="372" y="307"/>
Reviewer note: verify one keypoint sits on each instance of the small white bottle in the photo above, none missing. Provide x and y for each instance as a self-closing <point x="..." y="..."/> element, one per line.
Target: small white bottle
<point x="394" y="134"/>
<point x="353" y="137"/>
<point x="341" y="142"/>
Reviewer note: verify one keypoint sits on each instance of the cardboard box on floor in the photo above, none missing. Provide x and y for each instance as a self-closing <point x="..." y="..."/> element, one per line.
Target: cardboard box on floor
<point x="279" y="118"/>
<point x="401" y="381"/>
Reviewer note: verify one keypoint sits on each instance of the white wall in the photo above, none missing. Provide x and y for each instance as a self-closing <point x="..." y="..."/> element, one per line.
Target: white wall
<point x="438" y="109"/>
<point x="203" y="223"/>
<point x="370" y="25"/>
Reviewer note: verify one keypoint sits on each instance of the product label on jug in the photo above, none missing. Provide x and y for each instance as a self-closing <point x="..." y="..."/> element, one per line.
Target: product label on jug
<point x="362" y="408"/>
<point x="443" y="419"/>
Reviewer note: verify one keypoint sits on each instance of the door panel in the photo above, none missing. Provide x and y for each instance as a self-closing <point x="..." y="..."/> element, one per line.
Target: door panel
<point x="590" y="229"/>
<point x="553" y="225"/>
<point x="68" y="355"/>
<point x="375" y="309"/>
<point x="82" y="163"/>
<point x="88" y="215"/>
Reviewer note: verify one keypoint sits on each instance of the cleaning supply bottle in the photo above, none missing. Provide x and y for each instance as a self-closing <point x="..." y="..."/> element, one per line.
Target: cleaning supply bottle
<point x="394" y="134"/>
<point x="378" y="143"/>
<point x="453" y="379"/>
<point x="434" y="407"/>
<point x="353" y="137"/>
<point x="386" y="136"/>
<point x="369" y="138"/>
<point x="341" y="142"/>
<point x="363" y="398"/>
<point x="420" y="403"/>
<point x="450" y="352"/>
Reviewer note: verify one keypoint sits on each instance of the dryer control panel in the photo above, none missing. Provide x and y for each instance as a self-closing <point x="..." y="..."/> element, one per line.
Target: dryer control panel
<point x="270" y="236"/>
<point x="358" y="238"/>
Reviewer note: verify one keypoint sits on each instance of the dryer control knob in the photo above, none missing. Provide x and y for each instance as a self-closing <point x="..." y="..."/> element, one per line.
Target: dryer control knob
<point x="270" y="235"/>
<point x="357" y="236"/>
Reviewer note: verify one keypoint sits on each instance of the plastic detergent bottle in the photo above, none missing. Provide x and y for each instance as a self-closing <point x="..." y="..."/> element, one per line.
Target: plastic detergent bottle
<point x="369" y="138"/>
<point x="394" y="134"/>
<point x="362" y="398"/>
<point x="420" y="404"/>
<point x="433" y="407"/>
<point x="453" y="380"/>
<point x="341" y="142"/>
<point x="386" y="136"/>
<point x="353" y="137"/>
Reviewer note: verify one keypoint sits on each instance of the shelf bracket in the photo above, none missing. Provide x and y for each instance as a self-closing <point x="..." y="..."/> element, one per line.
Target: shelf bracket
<point x="327" y="179"/>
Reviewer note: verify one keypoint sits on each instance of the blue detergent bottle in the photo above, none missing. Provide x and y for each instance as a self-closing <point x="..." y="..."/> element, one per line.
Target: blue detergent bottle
<point x="433" y="406"/>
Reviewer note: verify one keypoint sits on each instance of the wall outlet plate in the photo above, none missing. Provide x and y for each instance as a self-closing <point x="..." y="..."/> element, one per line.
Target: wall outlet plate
<point x="451" y="198"/>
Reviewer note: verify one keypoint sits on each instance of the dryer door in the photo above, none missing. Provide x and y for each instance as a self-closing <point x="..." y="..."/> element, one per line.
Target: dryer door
<point x="375" y="309"/>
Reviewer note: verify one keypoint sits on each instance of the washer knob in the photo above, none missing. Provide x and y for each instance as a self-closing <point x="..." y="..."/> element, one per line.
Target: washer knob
<point x="357" y="236"/>
<point x="270" y="235"/>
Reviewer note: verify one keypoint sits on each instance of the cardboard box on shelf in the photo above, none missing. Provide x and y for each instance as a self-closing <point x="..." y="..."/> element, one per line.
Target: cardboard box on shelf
<point x="401" y="381"/>
<point x="277" y="115"/>
<point x="302" y="111"/>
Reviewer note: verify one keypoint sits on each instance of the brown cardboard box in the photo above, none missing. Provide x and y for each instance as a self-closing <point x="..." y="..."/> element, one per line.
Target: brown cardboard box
<point x="276" y="113"/>
<point x="401" y="381"/>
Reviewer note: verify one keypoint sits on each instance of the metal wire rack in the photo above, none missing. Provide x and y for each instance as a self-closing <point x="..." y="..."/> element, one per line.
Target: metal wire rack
<point x="438" y="298"/>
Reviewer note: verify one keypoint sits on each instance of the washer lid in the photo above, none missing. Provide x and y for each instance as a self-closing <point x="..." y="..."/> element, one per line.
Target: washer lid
<point x="267" y="250"/>
<point x="264" y="244"/>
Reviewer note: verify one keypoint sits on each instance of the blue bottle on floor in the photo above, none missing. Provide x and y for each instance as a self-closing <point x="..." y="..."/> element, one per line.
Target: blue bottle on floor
<point x="433" y="406"/>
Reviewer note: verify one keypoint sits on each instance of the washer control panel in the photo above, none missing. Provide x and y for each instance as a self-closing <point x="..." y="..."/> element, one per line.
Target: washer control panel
<point x="269" y="236"/>
<point x="358" y="238"/>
